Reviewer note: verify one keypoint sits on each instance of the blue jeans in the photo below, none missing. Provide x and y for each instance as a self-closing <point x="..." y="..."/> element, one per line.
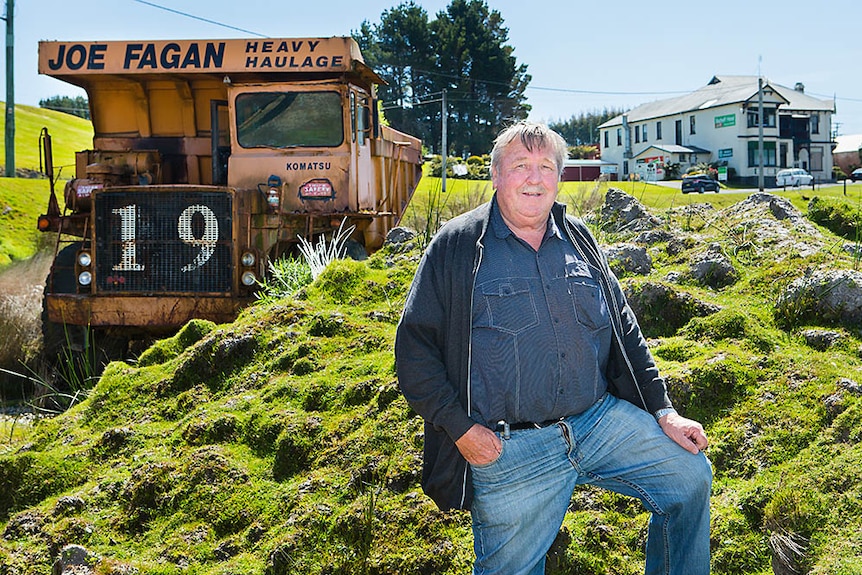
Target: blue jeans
<point x="521" y="498"/>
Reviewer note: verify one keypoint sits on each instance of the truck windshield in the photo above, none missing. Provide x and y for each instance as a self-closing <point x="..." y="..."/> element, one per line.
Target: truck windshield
<point x="292" y="119"/>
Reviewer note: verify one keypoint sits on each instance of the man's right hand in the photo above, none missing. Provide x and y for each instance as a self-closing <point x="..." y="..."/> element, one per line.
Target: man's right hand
<point x="479" y="446"/>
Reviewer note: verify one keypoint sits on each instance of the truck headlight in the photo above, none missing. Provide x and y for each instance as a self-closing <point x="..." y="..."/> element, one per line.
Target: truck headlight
<point x="247" y="259"/>
<point x="85" y="278"/>
<point x="84" y="259"/>
<point x="248" y="279"/>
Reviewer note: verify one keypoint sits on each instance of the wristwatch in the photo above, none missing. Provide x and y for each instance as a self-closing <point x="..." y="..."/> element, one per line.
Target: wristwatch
<point x="662" y="412"/>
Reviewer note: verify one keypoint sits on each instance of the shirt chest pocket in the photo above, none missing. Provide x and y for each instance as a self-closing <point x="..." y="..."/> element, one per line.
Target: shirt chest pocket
<point x="587" y="299"/>
<point x="509" y="306"/>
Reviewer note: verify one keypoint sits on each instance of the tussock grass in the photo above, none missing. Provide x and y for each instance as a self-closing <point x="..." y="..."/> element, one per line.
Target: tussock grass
<point x="21" y="287"/>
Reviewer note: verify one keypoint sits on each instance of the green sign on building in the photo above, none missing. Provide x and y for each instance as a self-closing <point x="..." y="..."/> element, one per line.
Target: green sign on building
<point x="725" y="121"/>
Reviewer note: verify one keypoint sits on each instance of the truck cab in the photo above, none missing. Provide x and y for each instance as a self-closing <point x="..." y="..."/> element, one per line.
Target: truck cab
<point x="210" y="159"/>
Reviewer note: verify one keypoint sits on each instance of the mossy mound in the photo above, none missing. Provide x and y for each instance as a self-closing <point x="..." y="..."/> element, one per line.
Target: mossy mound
<point x="280" y="444"/>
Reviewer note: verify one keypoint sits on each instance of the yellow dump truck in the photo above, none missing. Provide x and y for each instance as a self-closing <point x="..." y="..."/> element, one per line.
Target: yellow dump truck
<point x="211" y="158"/>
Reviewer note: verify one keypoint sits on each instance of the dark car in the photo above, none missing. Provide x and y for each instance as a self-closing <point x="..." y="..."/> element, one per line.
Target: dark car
<point x="856" y="174"/>
<point x="699" y="183"/>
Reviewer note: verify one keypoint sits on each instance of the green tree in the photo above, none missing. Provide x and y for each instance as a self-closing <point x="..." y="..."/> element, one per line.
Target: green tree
<point x="583" y="152"/>
<point x="77" y="106"/>
<point x="485" y="84"/>
<point x="464" y="51"/>
<point x="400" y="49"/>
<point x="583" y="129"/>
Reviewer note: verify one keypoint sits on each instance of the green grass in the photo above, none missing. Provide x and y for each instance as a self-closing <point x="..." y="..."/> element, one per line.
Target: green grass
<point x="22" y="200"/>
<point x="653" y="196"/>
<point x="21" y="203"/>
<point x="69" y="134"/>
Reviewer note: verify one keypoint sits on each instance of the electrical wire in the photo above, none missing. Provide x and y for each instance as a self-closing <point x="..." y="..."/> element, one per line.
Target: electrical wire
<point x="187" y="15"/>
<point x="461" y="78"/>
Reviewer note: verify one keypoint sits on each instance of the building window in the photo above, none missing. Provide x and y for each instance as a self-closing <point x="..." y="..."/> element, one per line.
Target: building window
<point x="769" y="156"/>
<point x="607" y="139"/>
<point x="637" y="134"/>
<point x="815" y="125"/>
<point x="768" y="117"/>
<point x="658" y="130"/>
<point x="643" y="133"/>
<point x="619" y="136"/>
<point x="691" y="125"/>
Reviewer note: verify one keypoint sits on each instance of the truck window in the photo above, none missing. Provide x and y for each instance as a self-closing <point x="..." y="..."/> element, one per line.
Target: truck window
<point x="292" y="119"/>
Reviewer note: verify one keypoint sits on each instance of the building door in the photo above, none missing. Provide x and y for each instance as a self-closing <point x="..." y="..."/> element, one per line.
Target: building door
<point x="782" y="149"/>
<point x="678" y="133"/>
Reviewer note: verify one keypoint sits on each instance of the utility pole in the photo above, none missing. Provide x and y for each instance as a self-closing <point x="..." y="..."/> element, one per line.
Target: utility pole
<point x="10" y="89"/>
<point x="444" y="144"/>
<point x="760" y="133"/>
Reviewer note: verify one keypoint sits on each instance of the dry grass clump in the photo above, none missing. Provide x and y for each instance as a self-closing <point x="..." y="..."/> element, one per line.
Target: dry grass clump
<point x="21" y="286"/>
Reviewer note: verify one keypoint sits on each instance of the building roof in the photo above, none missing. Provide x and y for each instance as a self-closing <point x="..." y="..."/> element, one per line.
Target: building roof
<point x="721" y="91"/>
<point x="851" y="143"/>
<point x="675" y="149"/>
<point x="575" y="163"/>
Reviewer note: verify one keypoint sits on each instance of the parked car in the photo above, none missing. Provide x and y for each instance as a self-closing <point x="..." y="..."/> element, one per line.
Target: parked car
<point x="699" y="183"/>
<point x="856" y="174"/>
<point x="793" y="177"/>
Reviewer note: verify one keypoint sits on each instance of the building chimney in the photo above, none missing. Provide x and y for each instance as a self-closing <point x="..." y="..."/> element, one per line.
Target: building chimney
<point x="799" y="87"/>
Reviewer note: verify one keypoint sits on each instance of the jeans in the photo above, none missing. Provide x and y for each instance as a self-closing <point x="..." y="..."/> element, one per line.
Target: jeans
<point x="521" y="498"/>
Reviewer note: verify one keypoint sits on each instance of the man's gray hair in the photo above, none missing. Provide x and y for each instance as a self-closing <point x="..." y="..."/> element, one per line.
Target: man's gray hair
<point x="532" y="135"/>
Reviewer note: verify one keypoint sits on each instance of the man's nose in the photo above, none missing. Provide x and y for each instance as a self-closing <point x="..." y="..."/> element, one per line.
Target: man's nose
<point x="534" y="174"/>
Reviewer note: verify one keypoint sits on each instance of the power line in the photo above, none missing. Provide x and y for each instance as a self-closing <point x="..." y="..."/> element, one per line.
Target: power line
<point x="457" y="77"/>
<point x="187" y="15"/>
<point x="567" y="90"/>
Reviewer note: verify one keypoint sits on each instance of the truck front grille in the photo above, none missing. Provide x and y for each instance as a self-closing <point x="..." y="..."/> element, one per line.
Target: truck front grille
<point x="163" y="241"/>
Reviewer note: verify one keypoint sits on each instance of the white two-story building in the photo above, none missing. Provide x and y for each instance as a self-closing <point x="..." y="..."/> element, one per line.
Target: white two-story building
<point x="718" y="124"/>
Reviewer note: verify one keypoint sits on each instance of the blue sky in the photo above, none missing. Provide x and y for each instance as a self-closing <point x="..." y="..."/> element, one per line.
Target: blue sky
<point x="583" y="56"/>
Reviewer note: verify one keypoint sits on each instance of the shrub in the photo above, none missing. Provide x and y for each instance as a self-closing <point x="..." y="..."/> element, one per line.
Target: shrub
<point x="837" y="216"/>
<point x="478" y="167"/>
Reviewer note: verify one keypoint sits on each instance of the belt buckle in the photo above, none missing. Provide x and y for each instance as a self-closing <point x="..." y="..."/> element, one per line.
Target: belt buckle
<point x="506" y="429"/>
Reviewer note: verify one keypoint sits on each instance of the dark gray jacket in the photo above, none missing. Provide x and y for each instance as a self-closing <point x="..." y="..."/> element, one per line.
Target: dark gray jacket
<point x="432" y="346"/>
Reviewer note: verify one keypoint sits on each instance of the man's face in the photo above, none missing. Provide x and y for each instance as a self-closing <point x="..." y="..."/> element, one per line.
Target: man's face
<point x="527" y="184"/>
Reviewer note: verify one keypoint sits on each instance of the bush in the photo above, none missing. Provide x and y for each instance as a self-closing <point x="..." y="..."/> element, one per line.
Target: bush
<point x="477" y="167"/>
<point x="837" y="216"/>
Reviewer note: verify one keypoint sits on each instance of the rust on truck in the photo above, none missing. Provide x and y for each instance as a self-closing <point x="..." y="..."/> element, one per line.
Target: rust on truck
<point x="210" y="159"/>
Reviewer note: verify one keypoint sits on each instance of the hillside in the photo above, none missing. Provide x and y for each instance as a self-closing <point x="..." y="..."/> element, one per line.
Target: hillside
<point x="280" y="444"/>
<point x="22" y="199"/>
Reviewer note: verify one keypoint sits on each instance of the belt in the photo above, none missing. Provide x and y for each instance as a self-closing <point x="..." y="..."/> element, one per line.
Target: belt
<point x="503" y="425"/>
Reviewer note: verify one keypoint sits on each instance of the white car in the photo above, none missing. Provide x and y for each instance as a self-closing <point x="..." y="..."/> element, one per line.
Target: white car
<point x="793" y="177"/>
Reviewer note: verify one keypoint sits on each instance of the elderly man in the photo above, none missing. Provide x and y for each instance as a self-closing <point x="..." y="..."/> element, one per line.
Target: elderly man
<point x="518" y="349"/>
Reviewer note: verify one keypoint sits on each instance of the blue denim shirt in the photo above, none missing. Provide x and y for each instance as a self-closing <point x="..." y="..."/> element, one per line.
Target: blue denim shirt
<point x="541" y="331"/>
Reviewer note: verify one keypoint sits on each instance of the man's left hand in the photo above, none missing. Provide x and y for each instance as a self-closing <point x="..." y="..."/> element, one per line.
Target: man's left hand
<point x="686" y="432"/>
